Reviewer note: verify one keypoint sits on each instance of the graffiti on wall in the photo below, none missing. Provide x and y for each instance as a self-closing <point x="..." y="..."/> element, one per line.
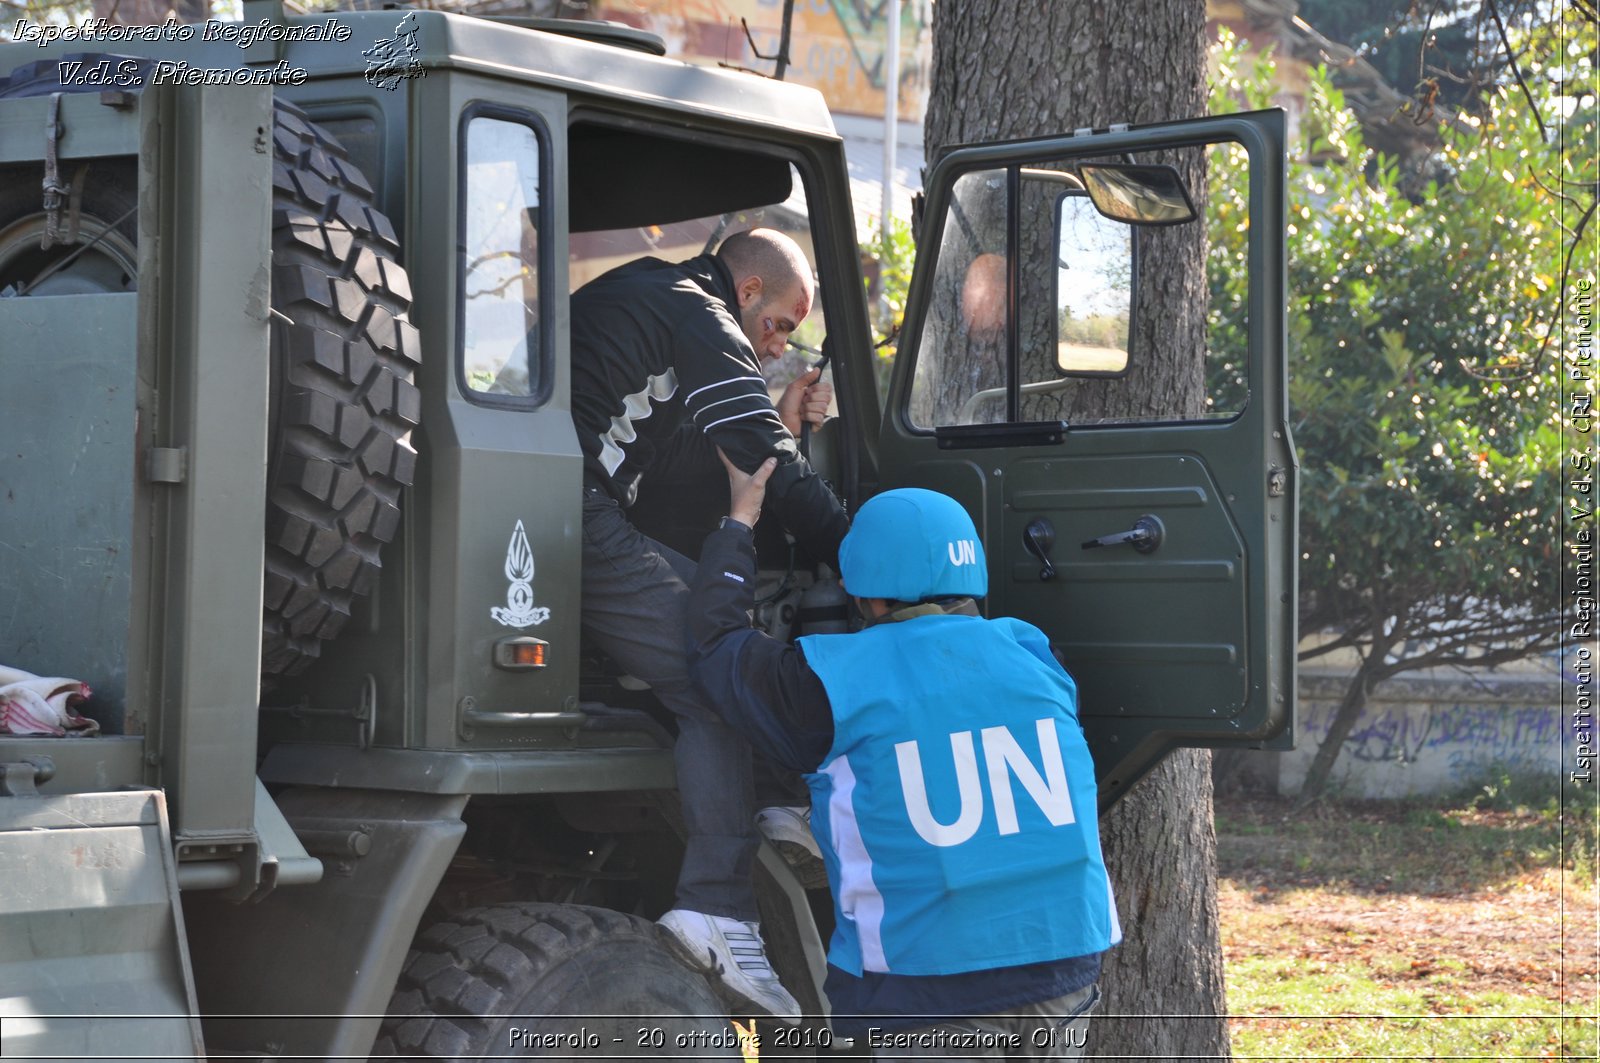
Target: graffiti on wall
<point x="1460" y="739"/>
<point x="836" y="46"/>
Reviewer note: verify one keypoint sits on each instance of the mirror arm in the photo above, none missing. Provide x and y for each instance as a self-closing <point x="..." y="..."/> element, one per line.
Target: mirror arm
<point x="1059" y="177"/>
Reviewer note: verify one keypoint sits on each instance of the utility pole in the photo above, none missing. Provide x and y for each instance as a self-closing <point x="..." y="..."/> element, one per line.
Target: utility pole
<point x="891" y="117"/>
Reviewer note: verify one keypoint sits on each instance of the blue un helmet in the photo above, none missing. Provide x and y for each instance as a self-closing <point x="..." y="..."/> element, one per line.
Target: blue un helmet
<point x="909" y="545"/>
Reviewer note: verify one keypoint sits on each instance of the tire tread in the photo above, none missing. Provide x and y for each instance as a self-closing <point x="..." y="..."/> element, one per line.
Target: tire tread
<point x="349" y="401"/>
<point x="462" y="968"/>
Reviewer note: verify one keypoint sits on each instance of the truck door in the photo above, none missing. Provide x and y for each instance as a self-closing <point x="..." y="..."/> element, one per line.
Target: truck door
<point x="1047" y="379"/>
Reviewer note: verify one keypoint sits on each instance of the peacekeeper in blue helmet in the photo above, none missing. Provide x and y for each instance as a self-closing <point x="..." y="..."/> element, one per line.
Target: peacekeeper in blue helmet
<point x="952" y="792"/>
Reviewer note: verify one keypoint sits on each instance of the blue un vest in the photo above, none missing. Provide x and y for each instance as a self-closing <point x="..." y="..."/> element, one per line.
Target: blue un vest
<point x="956" y="809"/>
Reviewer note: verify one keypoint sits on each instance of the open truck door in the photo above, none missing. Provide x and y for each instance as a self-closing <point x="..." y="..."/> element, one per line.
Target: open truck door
<point x="1150" y="533"/>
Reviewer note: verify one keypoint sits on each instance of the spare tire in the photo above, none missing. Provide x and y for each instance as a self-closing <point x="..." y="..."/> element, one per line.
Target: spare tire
<point x="343" y="400"/>
<point x="343" y="391"/>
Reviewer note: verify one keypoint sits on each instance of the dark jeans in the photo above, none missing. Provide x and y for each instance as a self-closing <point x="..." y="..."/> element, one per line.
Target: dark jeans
<point x="634" y="594"/>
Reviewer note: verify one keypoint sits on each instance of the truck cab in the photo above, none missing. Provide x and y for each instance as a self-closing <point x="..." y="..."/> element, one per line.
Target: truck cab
<point x="286" y="327"/>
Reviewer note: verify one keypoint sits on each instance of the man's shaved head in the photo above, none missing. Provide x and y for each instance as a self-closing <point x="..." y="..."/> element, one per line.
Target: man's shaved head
<point x="772" y="284"/>
<point x="768" y="254"/>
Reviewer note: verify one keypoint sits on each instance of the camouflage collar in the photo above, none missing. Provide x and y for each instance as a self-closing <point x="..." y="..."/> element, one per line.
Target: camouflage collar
<point x="953" y="607"/>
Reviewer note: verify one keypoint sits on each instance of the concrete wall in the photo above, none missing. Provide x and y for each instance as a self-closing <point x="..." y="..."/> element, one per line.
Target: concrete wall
<point x="1431" y="734"/>
<point x="1426" y="734"/>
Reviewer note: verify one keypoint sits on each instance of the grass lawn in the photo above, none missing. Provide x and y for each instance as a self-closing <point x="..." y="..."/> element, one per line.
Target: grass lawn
<point x="1400" y="931"/>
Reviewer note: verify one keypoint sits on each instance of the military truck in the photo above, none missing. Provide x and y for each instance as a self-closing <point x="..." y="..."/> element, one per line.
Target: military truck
<point x="288" y="478"/>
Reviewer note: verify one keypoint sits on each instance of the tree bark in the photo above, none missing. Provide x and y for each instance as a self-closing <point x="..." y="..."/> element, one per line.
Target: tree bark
<point x="1006" y="69"/>
<point x="1166" y="976"/>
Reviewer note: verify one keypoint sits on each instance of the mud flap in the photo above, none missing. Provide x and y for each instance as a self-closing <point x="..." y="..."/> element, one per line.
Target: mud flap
<point x="307" y="972"/>
<point x="92" y="952"/>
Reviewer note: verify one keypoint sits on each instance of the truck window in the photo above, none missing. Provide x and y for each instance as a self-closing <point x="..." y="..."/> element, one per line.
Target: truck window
<point x="593" y="253"/>
<point x="503" y="349"/>
<point x="645" y="193"/>
<point x="1082" y="322"/>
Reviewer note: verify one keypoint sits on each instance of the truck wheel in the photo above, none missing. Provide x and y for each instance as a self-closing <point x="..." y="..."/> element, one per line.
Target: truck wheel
<point x="342" y="399"/>
<point x="550" y="980"/>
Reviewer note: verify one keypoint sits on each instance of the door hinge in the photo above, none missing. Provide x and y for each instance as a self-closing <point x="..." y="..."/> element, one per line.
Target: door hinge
<point x="167" y="465"/>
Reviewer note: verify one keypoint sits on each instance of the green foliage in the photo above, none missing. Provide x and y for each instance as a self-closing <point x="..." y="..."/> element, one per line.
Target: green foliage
<point x="1094" y="330"/>
<point x="894" y="254"/>
<point x="1427" y="400"/>
<point x="1509" y="790"/>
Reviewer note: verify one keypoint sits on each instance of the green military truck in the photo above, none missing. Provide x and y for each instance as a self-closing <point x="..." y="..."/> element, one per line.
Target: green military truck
<point x="288" y="478"/>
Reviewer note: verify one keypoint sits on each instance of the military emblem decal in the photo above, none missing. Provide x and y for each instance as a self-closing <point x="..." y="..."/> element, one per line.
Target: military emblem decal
<point x="519" y="611"/>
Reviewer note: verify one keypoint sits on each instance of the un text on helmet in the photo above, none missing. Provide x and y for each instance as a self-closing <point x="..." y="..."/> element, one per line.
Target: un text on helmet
<point x="962" y="552"/>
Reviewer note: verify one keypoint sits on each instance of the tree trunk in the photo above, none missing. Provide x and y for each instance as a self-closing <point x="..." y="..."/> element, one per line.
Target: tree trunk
<point x="1005" y="69"/>
<point x="1023" y="68"/>
<point x="1344" y="721"/>
<point x="1161" y="847"/>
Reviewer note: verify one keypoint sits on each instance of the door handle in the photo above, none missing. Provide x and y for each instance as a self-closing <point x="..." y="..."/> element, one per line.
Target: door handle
<point x="1038" y="537"/>
<point x="1145" y="536"/>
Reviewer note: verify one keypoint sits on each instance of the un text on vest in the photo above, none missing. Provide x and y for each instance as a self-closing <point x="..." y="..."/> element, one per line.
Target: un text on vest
<point x="1003" y="757"/>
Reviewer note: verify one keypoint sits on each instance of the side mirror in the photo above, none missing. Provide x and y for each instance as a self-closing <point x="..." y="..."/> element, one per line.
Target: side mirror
<point x="1094" y="281"/>
<point x="1138" y="194"/>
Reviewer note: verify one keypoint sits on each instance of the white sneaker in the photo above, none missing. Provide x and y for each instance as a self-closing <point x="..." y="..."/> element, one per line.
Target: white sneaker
<point x="732" y="953"/>
<point x="788" y="828"/>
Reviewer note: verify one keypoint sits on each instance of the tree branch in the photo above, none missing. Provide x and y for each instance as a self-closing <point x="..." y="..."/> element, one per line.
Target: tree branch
<point x="1534" y="174"/>
<point x="1454" y="630"/>
<point x="1516" y="69"/>
<point x="1343" y="642"/>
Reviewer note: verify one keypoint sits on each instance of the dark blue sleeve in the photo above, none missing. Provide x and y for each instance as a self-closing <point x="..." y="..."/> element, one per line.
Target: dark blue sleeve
<point x="762" y="687"/>
<point x="797" y="496"/>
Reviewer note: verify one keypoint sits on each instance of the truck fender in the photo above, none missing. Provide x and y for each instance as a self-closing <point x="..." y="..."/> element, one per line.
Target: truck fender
<point x="309" y="971"/>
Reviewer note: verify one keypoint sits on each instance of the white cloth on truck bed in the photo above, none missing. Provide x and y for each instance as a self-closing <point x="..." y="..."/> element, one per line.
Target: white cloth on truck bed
<point x="38" y="705"/>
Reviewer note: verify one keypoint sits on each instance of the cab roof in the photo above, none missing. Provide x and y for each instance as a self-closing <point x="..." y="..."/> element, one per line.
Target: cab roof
<point x="572" y="65"/>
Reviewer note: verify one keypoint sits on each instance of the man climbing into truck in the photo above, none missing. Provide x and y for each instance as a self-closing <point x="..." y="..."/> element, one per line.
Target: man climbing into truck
<point x="656" y="347"/>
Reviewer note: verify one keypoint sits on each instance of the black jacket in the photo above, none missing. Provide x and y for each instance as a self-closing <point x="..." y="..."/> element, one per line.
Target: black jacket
<point x="655" y="343"/>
